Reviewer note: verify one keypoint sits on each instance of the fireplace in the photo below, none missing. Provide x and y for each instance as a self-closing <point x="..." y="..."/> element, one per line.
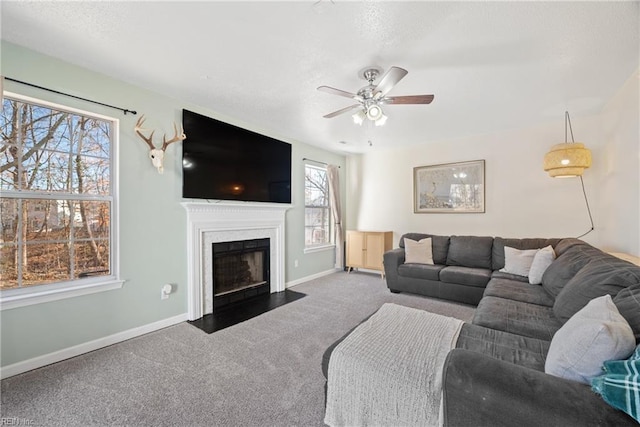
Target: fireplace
<point x="240" y="270"/>
<point x="209" y="223"/>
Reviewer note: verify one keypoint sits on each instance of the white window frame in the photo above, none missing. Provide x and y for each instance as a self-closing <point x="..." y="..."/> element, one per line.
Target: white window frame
<point x="331" y="243"/>
<point x="37" y="294"/>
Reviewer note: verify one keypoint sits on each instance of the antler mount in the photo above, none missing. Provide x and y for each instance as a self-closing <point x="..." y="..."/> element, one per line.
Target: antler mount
<point x="157" y="154"/>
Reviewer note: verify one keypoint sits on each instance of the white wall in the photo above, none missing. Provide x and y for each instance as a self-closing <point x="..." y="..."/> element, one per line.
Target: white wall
<point x="619" y="206"/>
<point x="521" y="199"/>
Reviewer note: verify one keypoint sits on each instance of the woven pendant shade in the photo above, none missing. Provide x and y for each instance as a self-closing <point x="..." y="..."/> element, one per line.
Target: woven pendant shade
<point x="567" y="160"/>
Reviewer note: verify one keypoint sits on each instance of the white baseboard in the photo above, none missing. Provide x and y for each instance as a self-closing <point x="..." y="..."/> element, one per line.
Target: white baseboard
<point x="76" y="350"/>
<point x="313" y="276"/>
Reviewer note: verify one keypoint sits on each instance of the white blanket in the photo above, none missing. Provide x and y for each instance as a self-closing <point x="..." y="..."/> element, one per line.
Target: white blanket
<point x="388" y="371"/>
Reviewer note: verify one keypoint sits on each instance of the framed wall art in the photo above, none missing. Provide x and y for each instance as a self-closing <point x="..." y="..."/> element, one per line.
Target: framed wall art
<point x="449" y="188"/>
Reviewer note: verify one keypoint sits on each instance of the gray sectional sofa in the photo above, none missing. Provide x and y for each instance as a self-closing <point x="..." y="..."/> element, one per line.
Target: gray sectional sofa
<point x="463" y="265"/>
<point x="496" y="373"/>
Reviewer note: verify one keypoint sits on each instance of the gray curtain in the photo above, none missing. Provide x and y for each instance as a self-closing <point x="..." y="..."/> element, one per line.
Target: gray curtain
<point x="336" y="210"/>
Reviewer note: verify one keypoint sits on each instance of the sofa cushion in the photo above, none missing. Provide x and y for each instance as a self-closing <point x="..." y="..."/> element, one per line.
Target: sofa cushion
<point x="564" y="267"/>
<point x="497" y="252"/>
<point x="468" y="276"/>
<point x="479" y="390"/>
<point x="595" y="334"/>
<point x="420" y="271"/>
<point x="512" y="348"/>
<point x="628" y="303"/>
<point x="508" y="276"/>
<point x="470" y="251"/>
<point x="517" y="291"/>
<point x="605" y="274"/>
<point x="518" y="261"/>
<point x="516" y="317"/>
<point x="418" y="252"/>
<point x="568" y="243"/>
<point x="439" y="245"/>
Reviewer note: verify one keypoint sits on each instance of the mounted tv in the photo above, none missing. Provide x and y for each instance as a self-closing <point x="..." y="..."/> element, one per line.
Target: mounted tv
<point x="225" y="162"/>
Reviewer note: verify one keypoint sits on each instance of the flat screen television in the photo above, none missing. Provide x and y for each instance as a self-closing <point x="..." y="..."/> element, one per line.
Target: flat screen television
<point x="225" y="162"/>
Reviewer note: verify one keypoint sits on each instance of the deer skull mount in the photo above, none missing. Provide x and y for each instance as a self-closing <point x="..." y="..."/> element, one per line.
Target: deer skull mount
<point x="157" y="154"/>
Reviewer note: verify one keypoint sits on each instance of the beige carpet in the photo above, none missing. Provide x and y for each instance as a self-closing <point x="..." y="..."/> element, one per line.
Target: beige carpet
<point x="262" y="372"/>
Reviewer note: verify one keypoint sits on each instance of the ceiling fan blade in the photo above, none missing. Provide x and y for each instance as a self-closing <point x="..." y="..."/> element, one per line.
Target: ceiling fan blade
<point x="342" y="111"/>
<point x="388" y="81"/>
<point x="409" y="99"/>
<point x="339" y="92"/>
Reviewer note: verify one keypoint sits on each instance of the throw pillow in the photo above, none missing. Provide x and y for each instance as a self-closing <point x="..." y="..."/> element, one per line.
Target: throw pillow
<point x="620" y="385"/>
<point x="541" y="262"/>
<point x="518" y="261"/>
<point x="419" y="252"/>
<point x="593" y="335"/>
<point x="624" y="367"/>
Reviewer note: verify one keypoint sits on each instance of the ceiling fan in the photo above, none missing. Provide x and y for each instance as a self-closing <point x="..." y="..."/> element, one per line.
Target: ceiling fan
<point x="371" y="97"/>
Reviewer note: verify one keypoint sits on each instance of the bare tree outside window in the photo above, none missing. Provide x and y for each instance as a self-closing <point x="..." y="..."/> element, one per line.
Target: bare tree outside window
<point x="317" y="209"/>
<point x="56" y="195"/>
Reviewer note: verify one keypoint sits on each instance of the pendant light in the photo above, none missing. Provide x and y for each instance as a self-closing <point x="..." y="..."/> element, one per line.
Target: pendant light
<point x="569" y="159"/>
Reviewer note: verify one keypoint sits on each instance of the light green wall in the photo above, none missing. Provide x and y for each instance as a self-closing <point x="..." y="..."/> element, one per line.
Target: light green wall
<point x="152" y="222"/>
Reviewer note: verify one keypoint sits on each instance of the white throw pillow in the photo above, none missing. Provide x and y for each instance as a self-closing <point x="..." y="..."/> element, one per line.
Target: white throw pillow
<point x="518" y="261"/>
<point x="541" y="262"/>
<point x="418" y="252"/>
<point x="593" y="335"/>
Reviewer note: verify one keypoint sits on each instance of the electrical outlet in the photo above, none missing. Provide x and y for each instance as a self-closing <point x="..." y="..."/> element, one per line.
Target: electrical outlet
<point x="295" y="263"/>
<point x="165" y="291"/>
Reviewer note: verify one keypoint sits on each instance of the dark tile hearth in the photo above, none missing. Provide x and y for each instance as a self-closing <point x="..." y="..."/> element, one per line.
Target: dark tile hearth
<point x="244" y="310"/>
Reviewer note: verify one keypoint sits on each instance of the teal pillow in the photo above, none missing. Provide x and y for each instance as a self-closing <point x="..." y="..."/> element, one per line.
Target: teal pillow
<point x="620" y="385"/>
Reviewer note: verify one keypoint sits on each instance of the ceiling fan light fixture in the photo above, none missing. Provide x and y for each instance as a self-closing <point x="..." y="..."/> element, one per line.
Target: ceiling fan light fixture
<point x="359" y="117"/>
<point x="374" y="112"/>
<point x="371" y="97"/>
<point x="381" y="121"/>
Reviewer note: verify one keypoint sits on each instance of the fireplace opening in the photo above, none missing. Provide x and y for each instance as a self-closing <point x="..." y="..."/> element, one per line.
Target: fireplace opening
<point x="240" y="270"/>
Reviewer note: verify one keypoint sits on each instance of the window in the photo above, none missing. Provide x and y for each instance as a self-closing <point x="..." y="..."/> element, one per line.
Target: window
<point x="58" y="211"/>
<point x="317" y="212"/>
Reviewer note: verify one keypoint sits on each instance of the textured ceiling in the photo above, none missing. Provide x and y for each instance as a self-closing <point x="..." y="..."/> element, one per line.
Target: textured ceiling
<point x="491" y="65"/>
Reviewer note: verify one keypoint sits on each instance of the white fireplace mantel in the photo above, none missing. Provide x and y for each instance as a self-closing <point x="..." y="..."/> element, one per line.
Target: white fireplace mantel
<point x="227" y="221"/>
